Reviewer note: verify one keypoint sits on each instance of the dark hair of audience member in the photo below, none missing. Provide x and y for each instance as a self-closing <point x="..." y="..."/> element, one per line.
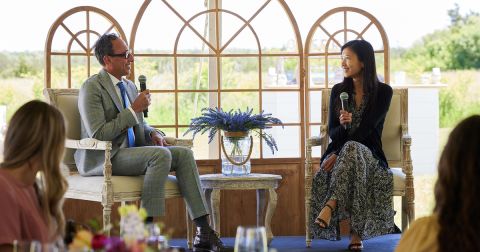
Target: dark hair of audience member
<point x="458" y="188"/>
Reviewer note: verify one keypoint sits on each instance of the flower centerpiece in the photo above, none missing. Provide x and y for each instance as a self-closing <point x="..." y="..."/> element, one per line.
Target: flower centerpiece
<point x="134" y="235"/>
<point x="236" y="143"/>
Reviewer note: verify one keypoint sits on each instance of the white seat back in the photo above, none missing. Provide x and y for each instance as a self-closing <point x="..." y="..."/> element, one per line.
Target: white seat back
<point x="66" y="100"/>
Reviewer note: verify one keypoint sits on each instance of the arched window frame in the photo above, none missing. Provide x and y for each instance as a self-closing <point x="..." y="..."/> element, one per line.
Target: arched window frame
<point x="373" y="23"/>
<point x="217" y="52"/>
<point x="87" y="47"/>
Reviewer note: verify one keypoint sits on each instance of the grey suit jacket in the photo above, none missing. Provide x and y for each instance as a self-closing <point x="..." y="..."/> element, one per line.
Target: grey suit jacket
<point x="104" y="118"/>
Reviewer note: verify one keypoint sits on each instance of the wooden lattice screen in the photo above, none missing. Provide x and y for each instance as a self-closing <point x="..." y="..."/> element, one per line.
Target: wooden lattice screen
<point x="320" y="58"/>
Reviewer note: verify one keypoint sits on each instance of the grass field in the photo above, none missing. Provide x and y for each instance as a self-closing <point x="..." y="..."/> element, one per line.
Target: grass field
<point x="424" y="185"/>
<point x="424" y="198"/>
<point x="17" y="91"/>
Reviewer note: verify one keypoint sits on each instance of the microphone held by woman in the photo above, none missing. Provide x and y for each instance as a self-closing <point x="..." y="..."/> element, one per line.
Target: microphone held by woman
<point x="344" y="101"/>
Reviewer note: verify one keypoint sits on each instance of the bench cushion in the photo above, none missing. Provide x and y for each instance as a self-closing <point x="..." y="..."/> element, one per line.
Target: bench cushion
<point x="89" y="187"/>
<point x="398" y="182"/>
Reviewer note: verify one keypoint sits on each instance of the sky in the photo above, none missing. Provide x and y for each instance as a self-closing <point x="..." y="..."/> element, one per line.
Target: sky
<point x="24" y="24"/>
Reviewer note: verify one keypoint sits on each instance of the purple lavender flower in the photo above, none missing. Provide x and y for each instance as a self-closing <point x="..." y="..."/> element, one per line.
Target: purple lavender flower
<point x="214" y="119"/>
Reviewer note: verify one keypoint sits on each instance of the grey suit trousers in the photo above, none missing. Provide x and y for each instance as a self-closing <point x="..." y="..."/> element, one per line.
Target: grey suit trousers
<point x="155" y="162"/>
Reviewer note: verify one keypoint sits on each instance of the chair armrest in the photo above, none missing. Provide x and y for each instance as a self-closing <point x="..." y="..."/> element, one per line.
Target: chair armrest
<point x="317" y="140"/>
<point x="94" y="144"/>
<point x="407" y="168"/>
<point x="406" y="138"/>
<point x="312" y="142"/>
<point x="88" y="144"/>
<point x="179" y="142"/>
<point x="407" y="158"/>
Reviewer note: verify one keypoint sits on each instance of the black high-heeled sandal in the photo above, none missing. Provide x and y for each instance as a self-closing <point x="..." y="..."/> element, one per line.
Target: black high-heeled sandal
<point x="321" y="221"/>
<point x="355" y="247"/>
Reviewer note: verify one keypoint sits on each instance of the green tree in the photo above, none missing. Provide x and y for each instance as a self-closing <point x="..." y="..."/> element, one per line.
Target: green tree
<point x="455" y="47"/>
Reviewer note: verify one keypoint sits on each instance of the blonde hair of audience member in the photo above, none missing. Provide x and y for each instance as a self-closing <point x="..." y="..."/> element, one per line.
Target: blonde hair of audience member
<point x="36" y="137"/>
<point x="458" y="187"/>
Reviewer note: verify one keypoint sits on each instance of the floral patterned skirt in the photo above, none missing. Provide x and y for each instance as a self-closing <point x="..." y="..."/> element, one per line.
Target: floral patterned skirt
<point x="363" y="190"/>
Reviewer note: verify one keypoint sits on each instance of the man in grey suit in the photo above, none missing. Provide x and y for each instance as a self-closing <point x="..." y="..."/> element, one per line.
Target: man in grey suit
<point x="111" y="110"/>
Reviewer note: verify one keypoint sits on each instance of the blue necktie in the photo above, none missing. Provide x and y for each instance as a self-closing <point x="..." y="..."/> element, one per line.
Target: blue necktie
<point x="130" y="134"/>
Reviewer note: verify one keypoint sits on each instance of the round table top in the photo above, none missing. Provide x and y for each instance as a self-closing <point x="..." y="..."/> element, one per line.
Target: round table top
<point x="251" y="176"/>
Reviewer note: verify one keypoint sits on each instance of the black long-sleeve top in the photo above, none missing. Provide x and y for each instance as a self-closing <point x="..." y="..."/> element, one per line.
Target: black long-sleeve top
<point x="369" y="132"/>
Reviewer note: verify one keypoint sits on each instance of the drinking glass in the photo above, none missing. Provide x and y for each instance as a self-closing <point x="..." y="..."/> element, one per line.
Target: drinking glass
<point x="155" y="240"/>
<point x="251" y="239"/>
<point x="36" y="246"/>
<point x="27" y="246"/>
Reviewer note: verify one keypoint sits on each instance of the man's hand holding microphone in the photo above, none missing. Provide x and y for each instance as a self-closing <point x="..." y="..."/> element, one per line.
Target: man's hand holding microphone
<point x="143" y="99"/>
<point x="142" y="102"/>
<point x="141" y="105"/>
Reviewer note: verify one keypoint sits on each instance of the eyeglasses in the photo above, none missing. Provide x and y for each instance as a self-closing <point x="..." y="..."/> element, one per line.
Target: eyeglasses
<point x="124" y="55"/>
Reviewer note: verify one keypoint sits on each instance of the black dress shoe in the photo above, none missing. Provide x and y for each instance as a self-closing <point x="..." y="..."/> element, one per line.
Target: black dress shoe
<point x="206" y="239"/>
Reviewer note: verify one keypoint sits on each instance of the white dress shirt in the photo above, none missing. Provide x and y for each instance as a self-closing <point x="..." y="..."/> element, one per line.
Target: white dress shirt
<point x="115" y="81"/>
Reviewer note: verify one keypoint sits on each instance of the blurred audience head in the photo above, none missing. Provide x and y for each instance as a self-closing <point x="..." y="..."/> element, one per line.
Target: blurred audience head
<point x="36" y="133"/>
<point x="458" y="188"/>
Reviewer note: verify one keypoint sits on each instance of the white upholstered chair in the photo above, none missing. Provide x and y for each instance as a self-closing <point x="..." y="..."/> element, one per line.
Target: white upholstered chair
<point x="106" y="189"/>
<point x="396" y="145"/>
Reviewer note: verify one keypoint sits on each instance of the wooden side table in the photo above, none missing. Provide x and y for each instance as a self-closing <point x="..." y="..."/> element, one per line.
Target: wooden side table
<point x="263" y="183"/>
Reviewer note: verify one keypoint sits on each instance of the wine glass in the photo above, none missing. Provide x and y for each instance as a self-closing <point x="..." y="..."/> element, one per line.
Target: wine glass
<point x="251" y="239"/>
<point x="27" y="246"/>
<point x="35" y="246"/>
<point x="155" y="240"/>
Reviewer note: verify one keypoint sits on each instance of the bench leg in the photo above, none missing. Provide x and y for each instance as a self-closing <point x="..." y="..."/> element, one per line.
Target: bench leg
<point x="308" y="235"/>
<point x="404" y="214"/>
<point x="107" y="211"/>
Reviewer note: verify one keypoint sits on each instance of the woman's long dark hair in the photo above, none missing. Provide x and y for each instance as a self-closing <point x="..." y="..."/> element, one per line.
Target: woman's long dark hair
<point x="458" y="188"/>
<point x="365" y="53"/>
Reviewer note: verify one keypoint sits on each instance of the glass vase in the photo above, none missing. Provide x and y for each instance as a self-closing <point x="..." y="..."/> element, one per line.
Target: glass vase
<point x="236" y="152"/>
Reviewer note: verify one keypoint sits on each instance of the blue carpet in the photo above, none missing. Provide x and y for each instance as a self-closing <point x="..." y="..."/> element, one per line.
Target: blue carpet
<point x="386" y="243"/>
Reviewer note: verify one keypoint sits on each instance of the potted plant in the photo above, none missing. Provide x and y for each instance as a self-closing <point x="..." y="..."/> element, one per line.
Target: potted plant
<point x="236" y="143"/>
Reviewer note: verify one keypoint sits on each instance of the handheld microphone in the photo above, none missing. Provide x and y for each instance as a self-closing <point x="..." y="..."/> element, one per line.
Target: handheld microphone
<point x="344" y="101"/>
<point x="143" y="86"/>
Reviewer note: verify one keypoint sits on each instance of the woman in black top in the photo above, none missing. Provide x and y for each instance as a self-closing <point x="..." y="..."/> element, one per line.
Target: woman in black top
<point x="354" y="181"/>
